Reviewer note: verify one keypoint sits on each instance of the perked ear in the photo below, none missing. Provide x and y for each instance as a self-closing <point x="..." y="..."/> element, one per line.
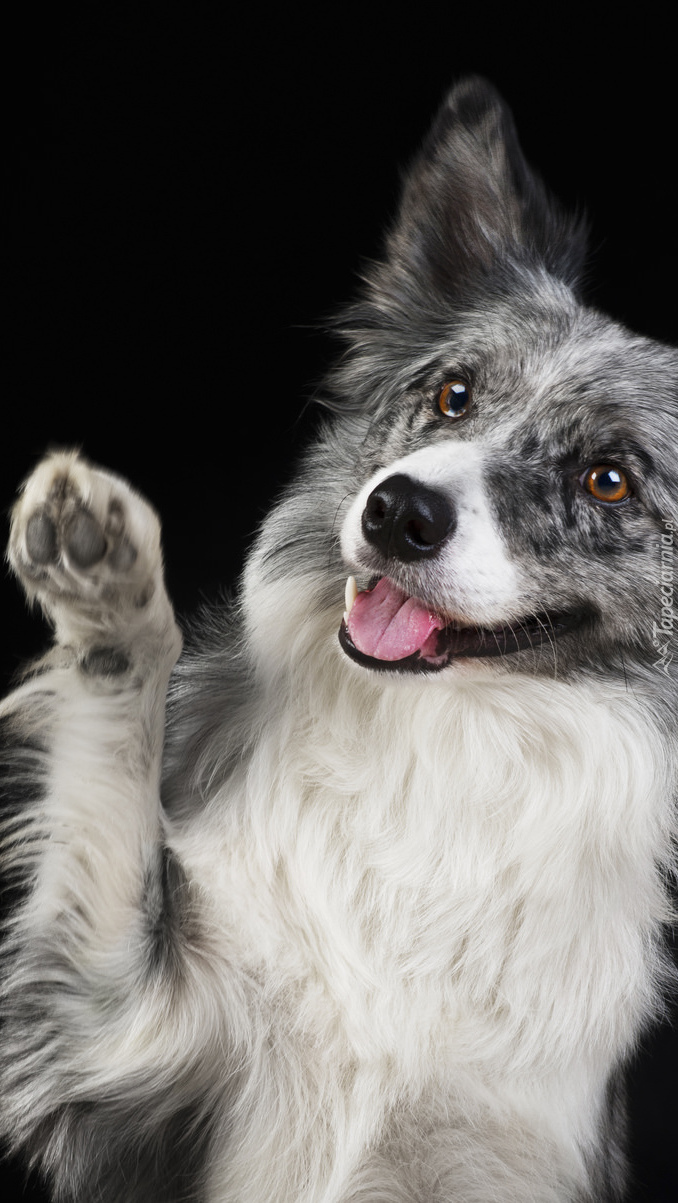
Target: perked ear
<point x="472" y="206"/>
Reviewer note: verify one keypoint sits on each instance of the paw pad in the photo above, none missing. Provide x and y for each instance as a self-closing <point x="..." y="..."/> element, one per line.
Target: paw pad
<point x="41" y="538"/>
<point x="84" y="539"/>
<point x="105" y="662"/>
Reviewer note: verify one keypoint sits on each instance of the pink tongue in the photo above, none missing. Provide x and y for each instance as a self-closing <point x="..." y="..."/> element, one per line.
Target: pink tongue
<point x="389" y="625"/>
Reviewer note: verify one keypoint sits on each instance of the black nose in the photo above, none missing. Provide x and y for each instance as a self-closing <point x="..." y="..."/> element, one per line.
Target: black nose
<point x="405" y="520"/>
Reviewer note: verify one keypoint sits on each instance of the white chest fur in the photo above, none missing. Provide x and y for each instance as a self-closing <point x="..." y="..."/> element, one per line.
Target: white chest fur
<point x="457" y="869"/>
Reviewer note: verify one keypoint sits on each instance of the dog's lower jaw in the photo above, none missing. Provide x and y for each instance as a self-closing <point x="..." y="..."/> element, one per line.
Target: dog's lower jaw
<point x="455" y="642"/>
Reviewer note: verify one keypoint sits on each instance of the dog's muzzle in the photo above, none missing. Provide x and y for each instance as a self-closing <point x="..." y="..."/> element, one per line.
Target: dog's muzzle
<point x="384" y="627"/>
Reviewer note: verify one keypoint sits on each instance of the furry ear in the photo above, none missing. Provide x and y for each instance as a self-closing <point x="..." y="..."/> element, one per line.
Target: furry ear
<point x="471" y="206"/>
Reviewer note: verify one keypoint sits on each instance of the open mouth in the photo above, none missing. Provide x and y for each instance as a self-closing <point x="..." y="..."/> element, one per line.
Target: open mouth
<point x="384" y="628"/>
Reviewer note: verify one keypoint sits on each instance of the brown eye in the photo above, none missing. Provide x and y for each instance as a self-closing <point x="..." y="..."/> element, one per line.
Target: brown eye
<point x="606" y="483"/>
<point x="455" y="399"/>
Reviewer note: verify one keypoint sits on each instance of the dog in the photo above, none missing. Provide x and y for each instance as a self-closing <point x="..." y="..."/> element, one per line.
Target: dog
<point x="361" y="898"/>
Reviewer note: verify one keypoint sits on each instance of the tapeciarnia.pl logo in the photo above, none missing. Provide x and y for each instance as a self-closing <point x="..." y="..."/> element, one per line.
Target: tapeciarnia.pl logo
<point x="663" y="629"/>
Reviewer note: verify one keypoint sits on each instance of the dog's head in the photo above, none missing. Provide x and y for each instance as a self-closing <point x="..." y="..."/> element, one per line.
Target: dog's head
<point x="513" y="471"/>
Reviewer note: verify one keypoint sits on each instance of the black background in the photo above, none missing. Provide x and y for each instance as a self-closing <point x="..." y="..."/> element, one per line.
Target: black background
<point x="187" y="197"/>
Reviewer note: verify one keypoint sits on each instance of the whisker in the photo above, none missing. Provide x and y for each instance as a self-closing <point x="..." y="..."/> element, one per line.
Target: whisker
<point x="333" y="533"/>
<point x="548" y="628"/>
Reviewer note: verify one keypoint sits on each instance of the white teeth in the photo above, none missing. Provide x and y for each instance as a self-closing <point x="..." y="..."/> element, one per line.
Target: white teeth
<point x="350" y="596"/>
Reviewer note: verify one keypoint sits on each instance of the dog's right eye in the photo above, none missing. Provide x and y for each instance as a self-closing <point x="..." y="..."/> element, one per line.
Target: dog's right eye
<point x="606" y="483"/>
<point x="454" y="399"/>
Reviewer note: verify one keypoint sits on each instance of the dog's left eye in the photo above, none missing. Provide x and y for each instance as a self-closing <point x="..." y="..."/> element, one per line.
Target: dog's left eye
<point x="454" y="399"/>
<point x="606" y="483"/>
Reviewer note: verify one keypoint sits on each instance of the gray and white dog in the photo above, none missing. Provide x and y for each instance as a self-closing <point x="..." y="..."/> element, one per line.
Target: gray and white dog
<point x="366" y="908"/>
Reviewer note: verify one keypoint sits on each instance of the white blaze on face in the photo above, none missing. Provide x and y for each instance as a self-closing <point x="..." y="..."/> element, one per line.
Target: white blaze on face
<point x="472" y="577"/>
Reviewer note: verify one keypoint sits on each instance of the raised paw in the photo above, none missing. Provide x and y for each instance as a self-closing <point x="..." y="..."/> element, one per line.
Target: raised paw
<point x="86" y="547"/>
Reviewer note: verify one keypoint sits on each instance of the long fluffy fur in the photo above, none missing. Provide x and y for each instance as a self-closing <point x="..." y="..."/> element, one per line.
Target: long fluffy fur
<point x="319" y="933"/>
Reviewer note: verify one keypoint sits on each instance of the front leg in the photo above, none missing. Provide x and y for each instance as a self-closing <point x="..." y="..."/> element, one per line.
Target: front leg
<point x="100" y="973"/>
